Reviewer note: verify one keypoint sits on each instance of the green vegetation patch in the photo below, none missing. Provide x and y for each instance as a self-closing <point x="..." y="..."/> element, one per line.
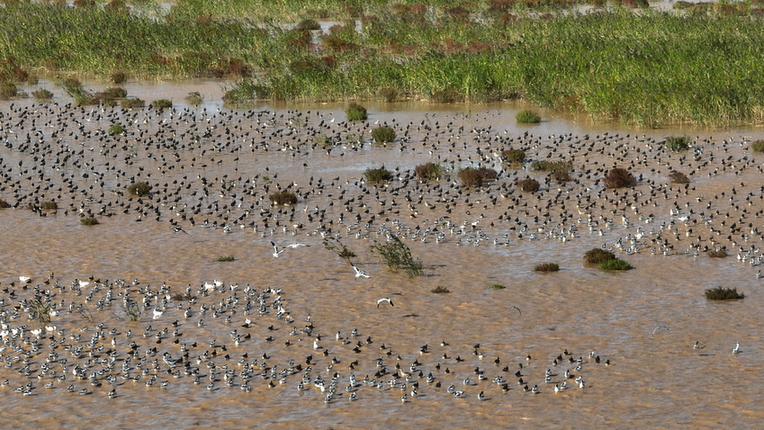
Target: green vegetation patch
<point x="139" y="189"/>
<point x="677" y="143"/>
<point x="284" y="198"/>
<point x="397" y="256"/>
<point x="428" y="171"/>
<point x="356" y="112"/>
<point x="527" y="117"/>
<point x="598" y="255"/>
<point x="615" y="264"/>
<point x="89" y="221"/>
<point x="758" y="146"/>
<point x="225" y="258"/>
<point x="529" y="185"/>
<point x="721" y="293"/>
<point x="474" y="177"/>
<point x="378" y="175"/>
<point x="497" y="287"/>
<point x="383" y="134"/>
<point x="546" y="267"/>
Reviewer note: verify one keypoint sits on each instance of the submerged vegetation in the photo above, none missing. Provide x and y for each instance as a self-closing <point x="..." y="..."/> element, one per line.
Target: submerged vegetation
<point x="474" y="177"/>
<point x="397" y="256"/>
<point x="378" y="175"/>
<point x="619" y="178"/>
<point x="283" y="198"/>
<point x="546" y="267"/>
<point x="615" y="264"/>
<point x="721" y="293"/>
<point x="647" y="68"/>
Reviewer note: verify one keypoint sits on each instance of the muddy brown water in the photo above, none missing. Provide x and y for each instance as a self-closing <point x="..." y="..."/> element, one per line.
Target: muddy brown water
<point x="645" y="320"/>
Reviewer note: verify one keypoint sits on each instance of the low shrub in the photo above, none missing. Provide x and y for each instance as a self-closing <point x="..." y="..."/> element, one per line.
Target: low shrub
<point x="119" y="77"/>
<point x="162" y="104"/>
<point x="194" y="98"/>
<point x="285" y="198"/>
<point x="475" y="177"/>
<point x="116" y="129"/>
<point x="89" y="221"/>
<point x="388" y="94"/>
<point x="383" y="134"/>
<point x="428" y="171"/>
<point x="379" y="175"/>
<point x="49" y="205"/>
<point x="225" y="258"/>
<point x="679" y="178"/>
<point x="139" y="189"/>
<point x="42" y="95"/>
<point x="4" y="204"/>
<point x="85" y="99"/>
<point x="440" y="290"/>
<point x="552" y="166"/>
<point x="133" y="103"/>
<point x="718" y="253"/>
<point x="758" y="146"/>
<point x="561" y="176"/>
<point x="598" y="255"/>
<point x="546" y="267"/>
<point x="527" y="117"/>
<point x="8" y="90"/>
<point x="513" y="155"/>
<point x="111" y="93"/>
<point x="720" y="293"/>
<point x="498" y="287"/>
<point x="356" y="112"/>
<point x="397" y="256"/>
<point x="619" y="178"/>
<point x="615" y="264"/>
<point x="324" y="140"/>
<point x="677" y="143"/>
<point x="528" y="184"/>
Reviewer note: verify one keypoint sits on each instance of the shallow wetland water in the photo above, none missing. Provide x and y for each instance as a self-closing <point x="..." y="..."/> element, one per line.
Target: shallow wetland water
<point x="220" y="165"/>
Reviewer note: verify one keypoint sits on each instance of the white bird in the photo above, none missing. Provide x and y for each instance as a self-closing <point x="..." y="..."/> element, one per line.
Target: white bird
<point x="158" y="313"/>
<point x="384" y="299"/>
<point x="737" y="349"/>
<point x="25" y="279"/>
<point x="359" y="273"/>
<point x="276" y="251"/>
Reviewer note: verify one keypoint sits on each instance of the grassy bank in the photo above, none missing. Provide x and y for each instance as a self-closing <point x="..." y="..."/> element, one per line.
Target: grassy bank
<point x="646" y="68"/>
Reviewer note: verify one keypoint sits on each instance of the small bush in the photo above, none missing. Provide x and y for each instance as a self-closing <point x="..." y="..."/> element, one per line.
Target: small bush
<point x="527" y="117"/>
<point x="615" y="264"/>
<point x="8" y="90"/>
<point x="324" y="140"/>
<point x="194" y="98"/>
<point x="42" y="95"/>
<point x="475" y="177"/>
<point x="40" y="310"/>
<point x="397" y="256"/>
<point x="561" y="176"/>
<point x="552" y="166"/>
<point x="162" y="104"/>
<point x="49" y="205"/>
<point x="383" y="134"/>
<point x="720" y="293"/>
<point x="379" y="175"/>
<point x="4" y="204"/>
<point x="619" y="178"/>
<point x="758" y="146"/>
<point x="308" y="24"/>
<point x="677" y="143"/>
<point x="498" y="287"/>
<point x="598" y="255"/>
<point x="119" y="77"/>
<point x="528" y="184"/>
<point x="356" y="112"/>
<point x="428" y="171"/>
<point x="85" y="99"/>
<point x="116" y="129"/>
<point x="513" y="155"/>
<point x="718" y="253"/>
<point x="139" y="189"/>
<point x="546" y="267"/>
<point x="89" y="221"/>
<point x="112" y="93"/>
<point x="133" y="103"/>
<point x="285" y="198"/>
<point x="440" y="290"/>
<point x="225" y="258"/>
<point x="389" y="94"/>
<point x="679" y="178"/>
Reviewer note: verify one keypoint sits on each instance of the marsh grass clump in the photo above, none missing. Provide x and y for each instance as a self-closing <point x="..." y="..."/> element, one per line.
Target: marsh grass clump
<point x="721" y="293"/>
<point x="546" y="267"/>
<point x="42" y="95"/>
<point x="446" y="96"/>
<point x="133" y="103"/>
<point x="8" y="90"/>
<point x="527" y="117"/>
<point x="718" y="253"/>
<point x="89" y="221"/>
<point x="497" y="287"/>
<point x="758" y="146"/>
<point x="139" y="189"/>
<point x="552" y="166"/>
<point x="194" y="98"/>
<point x="428" y="171"/>
<point x="308" y="24"/>
<point x="679" y="178"/>
<point x="388" y="94"/>
<point x="4" y="204"/>
<point x="49" y="205"/>
<point x="118" y="77"/>
<point x="336" y="246"/>
<point x="560" y="176"/>
<point x="615" y="264"/>
<point x="116" y="129"/>
<point x="225" y="258"/>
<point x="132" y="309"/>
<point x="598" y="255"/>
<point x="513" y="155"/>
<point x="440" y="290"/>
<point x="379" y="175"/>
<point x="397" y="256"/>
<point x="324" y="140"/>
<point x="162" y="104"/>
<point x="619" y="177"/>
<point x="284" y="198"/>
<point x="110" y="95"/>
<point x="356" y="112"/>
<point x="677" y="143"/>
<point x="471" y="176"/>
<point x="529" y="185"/>
<point x="40" y="310"/>
<point x="383" y="134"/>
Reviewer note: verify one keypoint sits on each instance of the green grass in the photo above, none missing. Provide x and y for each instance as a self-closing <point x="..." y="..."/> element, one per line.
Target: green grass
<point x="383" y="134"/>
<point x="89" y="221"/>
<point x="378" y="175"/>
<point x="42" y="95"/>
<point x="356" y="112"/>
<point x="758" y="146"/>
<point x="513" y="155"/>
<point x="615" y="264"/>
<point x="116" y="129"/>
<point x="133" y="103"/>
<point x="678" y="143"/>
<point x="225" y="258"/>
<point x="49" y="205"/>
<point x="194" y="98"/>
<point x="397" y="256"/>
<point x="720" y="293"/>
<point x="598" y="255"/>
<point x="498" y="287"/>
<point x="139" y="189"/>
<point x="527" y="117"/>
<point x="428" y="171"/>
<point x="162" y="104"/>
